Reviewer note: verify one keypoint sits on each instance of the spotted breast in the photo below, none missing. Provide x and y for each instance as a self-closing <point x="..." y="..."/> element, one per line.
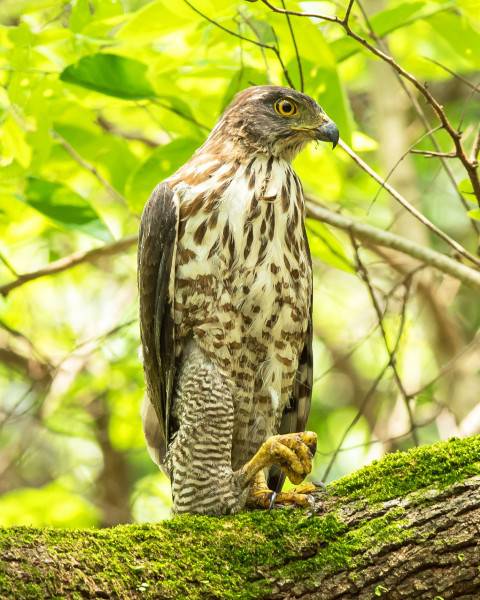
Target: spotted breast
<point x="243" y="284"/>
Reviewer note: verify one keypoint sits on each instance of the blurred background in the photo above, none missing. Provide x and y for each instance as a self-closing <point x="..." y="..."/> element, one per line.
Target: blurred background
<point x="100" y="100"/>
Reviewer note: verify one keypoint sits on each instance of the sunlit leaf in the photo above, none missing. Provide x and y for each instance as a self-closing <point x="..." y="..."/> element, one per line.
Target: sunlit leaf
<point x="112" y="75"/>
<point x="474" y="214"/>
<point x="161" y="163"/>
<point x="386" y="21"/>
<point x="65" y="207"/>
<point x="325" y="246"/>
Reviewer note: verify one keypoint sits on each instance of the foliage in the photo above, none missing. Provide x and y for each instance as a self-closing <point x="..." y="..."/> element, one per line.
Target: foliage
<point x="99" y="101"/>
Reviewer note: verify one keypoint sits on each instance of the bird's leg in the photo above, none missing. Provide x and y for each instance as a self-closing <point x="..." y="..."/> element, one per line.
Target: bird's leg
<point x="293" y="453"/>
<point x="259" y="494"/>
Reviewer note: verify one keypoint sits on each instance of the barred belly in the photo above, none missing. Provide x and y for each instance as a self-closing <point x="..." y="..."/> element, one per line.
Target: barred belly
<point x="243" y="287"/>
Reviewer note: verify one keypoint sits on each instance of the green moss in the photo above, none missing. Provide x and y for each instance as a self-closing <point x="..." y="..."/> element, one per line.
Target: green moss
<point x="194" y="557"/>
<point x="188" y="557"/>
<point x="400" y="473"/>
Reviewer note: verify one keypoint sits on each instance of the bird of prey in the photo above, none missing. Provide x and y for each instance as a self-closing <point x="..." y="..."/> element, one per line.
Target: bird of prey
<point x="225" y="284"/>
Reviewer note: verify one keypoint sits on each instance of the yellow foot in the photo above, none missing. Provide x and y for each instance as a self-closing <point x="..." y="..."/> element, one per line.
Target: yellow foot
<point x="293" y="453"/>
<point x="263" y="497"/>
<point x="298" y="496"/>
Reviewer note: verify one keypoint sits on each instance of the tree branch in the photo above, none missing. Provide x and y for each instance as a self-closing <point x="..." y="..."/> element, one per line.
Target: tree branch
<point x="406" y="204"/>
<point x="379" y="237"/>
<point x="455" y="135"/>
<point x="404" y="527"/>
<point x="68" y="262"/>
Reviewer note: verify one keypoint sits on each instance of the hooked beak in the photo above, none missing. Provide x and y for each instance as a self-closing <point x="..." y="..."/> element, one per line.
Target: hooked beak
<point x="328" y="132"/>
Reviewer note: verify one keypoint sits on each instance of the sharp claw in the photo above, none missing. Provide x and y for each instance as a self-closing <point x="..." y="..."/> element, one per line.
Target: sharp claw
<point x="273" y="497"/>
<point x="320" y="484"/>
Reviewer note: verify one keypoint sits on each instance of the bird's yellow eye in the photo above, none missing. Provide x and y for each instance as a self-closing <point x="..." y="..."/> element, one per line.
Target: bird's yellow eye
<point x="285" y="107"/>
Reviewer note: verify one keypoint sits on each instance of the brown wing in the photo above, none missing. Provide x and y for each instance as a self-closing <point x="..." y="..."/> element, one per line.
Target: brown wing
<point x="156" y="270"/>
<point x="295" y="414"/>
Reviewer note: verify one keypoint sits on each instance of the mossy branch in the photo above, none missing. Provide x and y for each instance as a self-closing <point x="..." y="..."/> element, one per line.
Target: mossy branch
<point x="403" y="527"/>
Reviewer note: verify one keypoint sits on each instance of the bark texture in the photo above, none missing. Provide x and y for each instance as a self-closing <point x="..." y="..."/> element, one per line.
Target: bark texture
<point x="407" y="526"/>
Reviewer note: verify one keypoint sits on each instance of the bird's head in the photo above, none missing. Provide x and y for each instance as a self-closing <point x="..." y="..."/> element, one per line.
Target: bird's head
<point x="274" y="120"/>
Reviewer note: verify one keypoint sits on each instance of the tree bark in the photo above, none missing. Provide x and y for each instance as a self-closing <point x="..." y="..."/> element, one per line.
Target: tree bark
<point x="404" y="527"/>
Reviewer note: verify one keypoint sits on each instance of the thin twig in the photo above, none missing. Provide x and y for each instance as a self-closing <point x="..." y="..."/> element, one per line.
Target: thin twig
<point x="431" y="153"/>
<point x="297" y="54"/>
<point x="89" y="167"/>
<point x="475" y="88"/>
<point x="423" y="117"/>
<point x="68" y="262"/>
<point x="355" y="420"/>
<point x="249" y="23"/>
<point x="7" y="263"/>
<point x="272" y="48"/>
<point x="127" y="135"/>
<point x="406" y="204"/>
<point x="392" y="353"/>
<point x="476" y="149"/>
<point x="455" y="135"/>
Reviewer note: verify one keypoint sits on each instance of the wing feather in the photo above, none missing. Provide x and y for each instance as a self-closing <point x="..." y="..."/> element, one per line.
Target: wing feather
<point x="295" y="414"/>
<point x="156" y="272"/>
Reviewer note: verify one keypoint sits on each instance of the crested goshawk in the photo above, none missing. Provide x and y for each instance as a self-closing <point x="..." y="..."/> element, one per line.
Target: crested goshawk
<point x="225" y="282"/>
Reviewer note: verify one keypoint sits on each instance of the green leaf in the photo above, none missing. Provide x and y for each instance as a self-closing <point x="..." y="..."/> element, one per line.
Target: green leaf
<point x="325" y="246"/>
<point x="474" y="214"/>
<point x="112" y="75"/>
<point x="465" y="187"/>
<point x="161" y="163"/>
<point x="13" y="144"/>
<point x="387" y="21"/>
<point x="65" y="207"/>
<point x="81" y="15"/>
<point x="463" y="40"/>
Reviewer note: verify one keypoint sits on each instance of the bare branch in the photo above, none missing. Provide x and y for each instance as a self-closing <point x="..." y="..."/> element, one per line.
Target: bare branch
<point x="476" y="149"/>
<point x="455" y="135"/>
<point x="296" y="13"/>
<point x="89" y="167"/>
<point x="423" y="117"/>
<point x="392" y="352"/>
<point x="475" y="88"/>
<point x="274" y="49"/>
<point x="406" y="204"/>
<point x="430" y="154"/>
<point x="68" y="262"/>
<point x="379" y="237"/>
<point x="8" y="265"/>
<point x="297" y="54"/>
<point x="127" y="135"/>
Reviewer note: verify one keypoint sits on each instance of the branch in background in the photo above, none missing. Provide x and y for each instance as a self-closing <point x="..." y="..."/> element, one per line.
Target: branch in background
<point x="8" y="265"/>
<point x="363" y="231"/>
<point x="392" y="352"/>
<point x="63" y="264"/>
<point x="431" y="154"/>
<point x="423" y="118"/>
<point x="297" y="54"/>
<point x="39" y="373"/>
<point x="89" y="167"/>
<point x="127" y="135"/>
<point x="475" y="88"/>
<point x="396" y="242"/>
<point x="406" y="204"/>
<point x="274" y="49"/>
<point x="455" y="135"/>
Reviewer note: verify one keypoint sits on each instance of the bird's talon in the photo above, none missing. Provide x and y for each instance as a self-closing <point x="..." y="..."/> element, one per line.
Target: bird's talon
<point x="272" y="500"/>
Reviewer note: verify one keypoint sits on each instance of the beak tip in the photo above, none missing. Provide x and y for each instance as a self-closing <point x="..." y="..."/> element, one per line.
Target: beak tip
<point x="328" y="132"/>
